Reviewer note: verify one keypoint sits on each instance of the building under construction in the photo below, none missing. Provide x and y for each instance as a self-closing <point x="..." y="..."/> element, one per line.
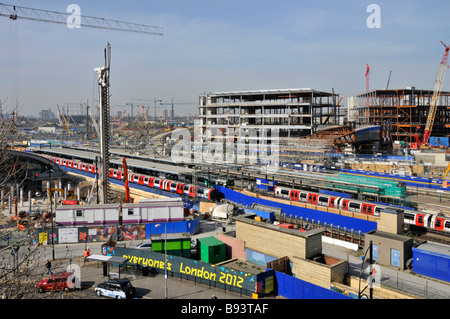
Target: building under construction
<point x="293" y="112"/>
<point x="403" y="112"/>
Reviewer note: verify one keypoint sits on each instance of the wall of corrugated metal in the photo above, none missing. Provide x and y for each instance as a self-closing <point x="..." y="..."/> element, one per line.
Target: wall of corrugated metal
<point x="324" y="217"/>
<point x="294" y="288"/>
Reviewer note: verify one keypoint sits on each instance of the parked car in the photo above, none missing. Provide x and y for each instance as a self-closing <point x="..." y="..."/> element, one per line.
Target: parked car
<point x="55" y="282"/>
<point x="116" y="288"/>
<point x="145" y="245"/>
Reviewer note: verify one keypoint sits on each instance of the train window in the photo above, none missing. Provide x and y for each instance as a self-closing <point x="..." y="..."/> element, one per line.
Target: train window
<point x="438" y="223"/>
<point x="323" y="199"/>
<point x="284" y="192"/>
<point x="186" y="187"/>
<point x="354" y="205"/>
<point x="303" y="195"/>
<point x="447" y="225"/>
<point x="409" y="216"/>
<point x="79" y="213"/>
<point x="200" y="191"/>
<point x="130" y="211"/>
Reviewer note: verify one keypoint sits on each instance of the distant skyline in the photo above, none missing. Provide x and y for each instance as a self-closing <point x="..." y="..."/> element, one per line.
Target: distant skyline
<point x="211" y="46"/>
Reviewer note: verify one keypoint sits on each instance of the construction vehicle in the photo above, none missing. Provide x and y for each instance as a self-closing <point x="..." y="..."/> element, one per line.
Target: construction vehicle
<point x="61" y="118"/>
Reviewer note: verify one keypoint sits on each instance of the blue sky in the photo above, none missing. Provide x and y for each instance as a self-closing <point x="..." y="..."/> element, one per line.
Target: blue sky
<point x="213" y="45"/>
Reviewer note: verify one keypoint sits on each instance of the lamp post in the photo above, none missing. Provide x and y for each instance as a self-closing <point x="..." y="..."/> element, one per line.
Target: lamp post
<point x="165" y="258"/>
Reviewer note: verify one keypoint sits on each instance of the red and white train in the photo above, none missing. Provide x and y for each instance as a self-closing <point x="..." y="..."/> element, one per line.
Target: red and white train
<point x="141" y="179"/>
<point x="416" y="218"/>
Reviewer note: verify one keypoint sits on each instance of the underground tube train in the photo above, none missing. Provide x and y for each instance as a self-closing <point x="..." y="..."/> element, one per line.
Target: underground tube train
<point x="141" y="179"/>
<point x="416" y="218"/>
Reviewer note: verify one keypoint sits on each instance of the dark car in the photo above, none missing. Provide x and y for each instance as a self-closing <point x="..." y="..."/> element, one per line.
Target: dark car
<point x="116" y="288"/>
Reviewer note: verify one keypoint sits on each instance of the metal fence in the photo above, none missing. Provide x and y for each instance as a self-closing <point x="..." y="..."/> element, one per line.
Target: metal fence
<point x="410" y="284"/>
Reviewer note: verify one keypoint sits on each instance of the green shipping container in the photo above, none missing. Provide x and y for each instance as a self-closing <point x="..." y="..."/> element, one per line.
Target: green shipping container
<point x="178" y="244"/>
<point x="211" y="250"/>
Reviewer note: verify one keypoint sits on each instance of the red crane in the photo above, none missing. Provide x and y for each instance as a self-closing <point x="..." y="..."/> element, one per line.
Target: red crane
<point x="367" y="77"/>
<point x="436" y="93"/>
<point x="367" y="83"/>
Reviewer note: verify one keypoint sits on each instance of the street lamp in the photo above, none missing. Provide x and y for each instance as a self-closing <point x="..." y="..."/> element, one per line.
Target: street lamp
<point x="165" y="256"/>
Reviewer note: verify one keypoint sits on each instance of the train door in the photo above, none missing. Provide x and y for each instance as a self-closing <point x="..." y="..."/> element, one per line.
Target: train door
<point x="345" y="203"/>
<point x="331" y="202"/>
<point x="294" y="195"/>
<point x="131" y="178"/>
<point x="192" y="191"/>
<point x="180" y="187"/>
<point x="367" y="209"/>
<point x="312" y="199"/>
<point x="420" y="220"/>
<point x="141" y="179"/>
<point x="151" y="181"/>
<point x="168" y="186"/>
<point x="111" y="172"/>
<point x="438" y="223"/>
<point x="119" y="175"/>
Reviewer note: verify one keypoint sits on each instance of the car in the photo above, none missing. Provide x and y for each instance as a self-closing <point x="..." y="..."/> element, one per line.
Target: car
<point x="116" y="288"/>
<point x="56" y="282"/>
<point x="145" y="245"/>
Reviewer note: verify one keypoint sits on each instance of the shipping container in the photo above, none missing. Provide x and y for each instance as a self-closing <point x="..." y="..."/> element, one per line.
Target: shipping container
<point x="178" y="244"/>
<point x="432" y="260"/>
<point x="211" y="250"/>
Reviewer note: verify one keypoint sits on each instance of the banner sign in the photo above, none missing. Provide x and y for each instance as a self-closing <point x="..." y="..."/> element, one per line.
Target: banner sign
<point x="188" y="266"/>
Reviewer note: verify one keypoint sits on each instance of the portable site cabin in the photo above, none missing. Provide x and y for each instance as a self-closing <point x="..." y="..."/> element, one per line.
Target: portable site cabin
<point x="211" y="250"/>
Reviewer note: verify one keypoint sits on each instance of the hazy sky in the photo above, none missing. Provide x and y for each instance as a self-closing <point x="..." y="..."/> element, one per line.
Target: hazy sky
<point x="211" y="46"/>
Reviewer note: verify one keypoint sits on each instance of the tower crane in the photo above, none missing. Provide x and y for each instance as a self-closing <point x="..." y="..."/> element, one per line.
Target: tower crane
<point x="436" y="93"/>
<point x="16" y="12"/>
<point x="367" y="83"/>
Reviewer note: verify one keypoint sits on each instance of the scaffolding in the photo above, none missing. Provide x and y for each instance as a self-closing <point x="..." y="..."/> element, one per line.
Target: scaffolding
<point x="405" y="111"/>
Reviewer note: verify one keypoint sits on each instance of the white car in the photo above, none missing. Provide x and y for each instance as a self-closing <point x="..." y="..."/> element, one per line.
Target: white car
<point x="116" y="288"/>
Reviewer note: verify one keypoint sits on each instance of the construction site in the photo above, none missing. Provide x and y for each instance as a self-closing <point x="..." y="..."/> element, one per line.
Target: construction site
<point x="311" y="170"/>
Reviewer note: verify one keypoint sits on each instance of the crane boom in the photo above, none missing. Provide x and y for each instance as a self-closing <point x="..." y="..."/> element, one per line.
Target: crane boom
<point x="436" y="93"/>
<point x="17" y="12"/>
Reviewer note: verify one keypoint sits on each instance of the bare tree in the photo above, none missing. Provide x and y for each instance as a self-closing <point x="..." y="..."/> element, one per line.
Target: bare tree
<point x="20" y="261"/>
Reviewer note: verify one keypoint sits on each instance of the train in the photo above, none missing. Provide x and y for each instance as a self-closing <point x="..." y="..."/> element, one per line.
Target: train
<point x="177" y="187"/>
<point x="427" y="220"/>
